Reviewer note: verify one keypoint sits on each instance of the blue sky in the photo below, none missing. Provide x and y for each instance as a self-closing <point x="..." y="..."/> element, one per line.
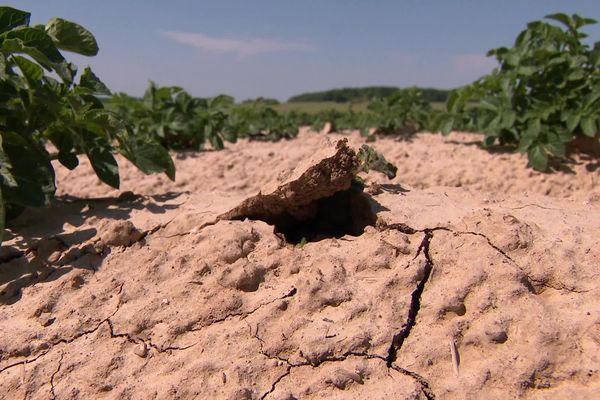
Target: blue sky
<point x="278" y="48"/>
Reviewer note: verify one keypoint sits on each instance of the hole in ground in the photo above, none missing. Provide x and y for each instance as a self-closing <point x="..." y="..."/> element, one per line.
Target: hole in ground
<point x="344" y="213"/>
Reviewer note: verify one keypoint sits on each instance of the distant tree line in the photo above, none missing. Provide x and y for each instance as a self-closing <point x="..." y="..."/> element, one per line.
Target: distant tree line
<point x="346" y="95"/>
<point x="262" y="100"/>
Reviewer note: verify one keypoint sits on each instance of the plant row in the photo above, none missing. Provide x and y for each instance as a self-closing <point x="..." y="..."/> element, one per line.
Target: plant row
<point x="49" y="112"/>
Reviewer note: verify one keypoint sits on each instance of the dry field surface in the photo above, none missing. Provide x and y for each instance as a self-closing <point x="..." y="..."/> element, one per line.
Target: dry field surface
<point x="477" y="278"/>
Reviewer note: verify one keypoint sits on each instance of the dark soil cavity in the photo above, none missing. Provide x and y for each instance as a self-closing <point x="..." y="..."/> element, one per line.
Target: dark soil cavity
<point x="315" y="202"/>
<point x="344" y="213"/>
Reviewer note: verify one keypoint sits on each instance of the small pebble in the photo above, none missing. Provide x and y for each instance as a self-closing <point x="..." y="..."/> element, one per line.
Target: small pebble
<point x="141" y="350"/>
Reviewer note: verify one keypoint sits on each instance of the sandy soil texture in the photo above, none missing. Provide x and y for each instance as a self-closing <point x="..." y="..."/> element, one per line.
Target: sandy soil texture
<point x="475" y="278"/>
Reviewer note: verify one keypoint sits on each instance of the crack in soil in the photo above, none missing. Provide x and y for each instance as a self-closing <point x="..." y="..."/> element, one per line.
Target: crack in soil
<point x="25" y="362"/>
<point x="404" y="228"/>
<point x="276" y="382"/>
<point x="245" y="314"/>
<point x="415" y="303"/>
<point x="424" y="385"/>
<point x="130" y="338"/>
<point x="397" y="340"/>
<point x="67" y="340"/>
<point x="425" y="388"/>
<point x="559" y="286"/>
<point x="195" y="230"/>
<point x="52" y="384"/>
<point x="148" y="343"/>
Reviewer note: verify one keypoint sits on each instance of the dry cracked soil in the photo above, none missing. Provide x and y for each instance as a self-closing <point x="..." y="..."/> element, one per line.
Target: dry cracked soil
<point x="468" y="276"/>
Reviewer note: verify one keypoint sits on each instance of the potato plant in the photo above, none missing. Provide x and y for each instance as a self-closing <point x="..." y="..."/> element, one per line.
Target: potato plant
<point x="544" y="94"/>
<point x="259" y="121"/>
<point x="172" y="117"/>
<point x="37" y="110"/>
<point x="176" y="120"/>
<point x="340" y="120"/>
<point x="404" y="112"/>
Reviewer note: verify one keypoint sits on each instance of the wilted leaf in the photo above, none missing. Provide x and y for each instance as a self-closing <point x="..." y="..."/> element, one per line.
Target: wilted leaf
<point x="369" y="159"/>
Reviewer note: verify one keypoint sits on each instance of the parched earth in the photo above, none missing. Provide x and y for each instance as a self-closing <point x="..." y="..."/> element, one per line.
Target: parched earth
<point x="476" y="278"/>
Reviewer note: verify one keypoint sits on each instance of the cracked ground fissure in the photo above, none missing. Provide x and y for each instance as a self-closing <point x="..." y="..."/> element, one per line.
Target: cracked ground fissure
<point x="397" y="340"/>
<point x="67" y="340"/>
<point x="423" y="383"/>
<point x="404" y="228"/>
<point x="133" y="340"/>
<point x="52" y="383"/>
<point x="415" y="303"/>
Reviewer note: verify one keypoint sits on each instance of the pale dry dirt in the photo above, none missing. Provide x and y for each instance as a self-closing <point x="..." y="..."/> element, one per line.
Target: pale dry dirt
<point x="479" y="279"/>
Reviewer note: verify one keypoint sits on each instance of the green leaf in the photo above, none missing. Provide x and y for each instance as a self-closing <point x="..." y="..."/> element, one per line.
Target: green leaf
<point x="576" y="75"/>
<point x="530" y="135"/>
<point x="489" y="104"/>
<point x="572" y="121"/>
<point x="150" y="157"/>
<point x="447" y="125"/>
<point x="7" y="179"/>
<point x="489" y="140"/>
<point x="230" y="135"/>
<point x="28" y="193"/>
<point x="90" y="81"/>
<point x="11" y="18"/>
<point x="66" y="71"/>
<point x="579" y="21"/>
<point x="588" y="126"/>
<point x="523" y="38"/>
<point x="68" y="159"/>
<point x="31" y="169"/>
<point x="72" y="37"/>
<point x="217" y="142"/>
<point x="538" y="158"/>
<point x="591" y="98"/>
<point x="32" y="72"/>
<point x="508" y="118"/>
<point x="452" y="102"/>
<point x="31" y="38"/>
<point x="512" y="59"/>
<point x="102" y="160"/>
<point x="527" y="70"/>
<point x="556" y="146"/>
<point x="562" y="18"/>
